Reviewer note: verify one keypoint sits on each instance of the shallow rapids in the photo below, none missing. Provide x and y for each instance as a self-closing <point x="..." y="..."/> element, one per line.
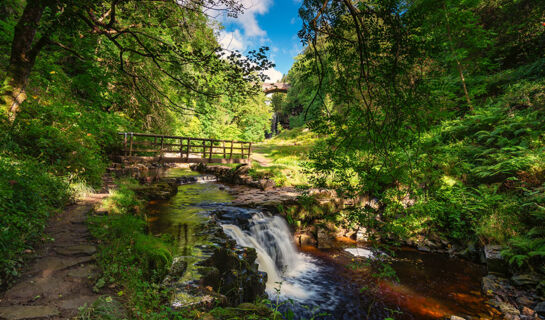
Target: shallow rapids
<point x="317" y="283"/>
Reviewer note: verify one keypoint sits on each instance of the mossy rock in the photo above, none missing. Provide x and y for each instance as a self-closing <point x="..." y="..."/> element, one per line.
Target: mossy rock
<point x="163" y="190"/>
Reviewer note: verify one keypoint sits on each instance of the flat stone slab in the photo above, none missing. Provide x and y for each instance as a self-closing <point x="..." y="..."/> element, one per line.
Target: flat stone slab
<point x="49" y="265"/>
<point x="76" y="250"/>
<point x="83" y="272"/>
<point x="27" y="312"/>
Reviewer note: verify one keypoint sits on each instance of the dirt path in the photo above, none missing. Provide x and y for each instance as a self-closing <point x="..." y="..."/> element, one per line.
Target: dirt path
<point x="60" y="279"/>
<point x="261" y="159"/>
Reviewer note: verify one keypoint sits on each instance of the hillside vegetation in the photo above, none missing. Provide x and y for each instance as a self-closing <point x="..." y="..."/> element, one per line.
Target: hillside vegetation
<point x="71" y="81"/>
<point x="437" y="111"/>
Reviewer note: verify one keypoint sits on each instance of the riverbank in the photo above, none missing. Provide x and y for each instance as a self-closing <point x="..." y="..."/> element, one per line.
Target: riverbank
<point x="314" y="216"/>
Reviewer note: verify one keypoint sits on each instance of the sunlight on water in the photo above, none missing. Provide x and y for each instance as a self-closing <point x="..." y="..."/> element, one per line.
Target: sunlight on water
<point x="276" y="255"/>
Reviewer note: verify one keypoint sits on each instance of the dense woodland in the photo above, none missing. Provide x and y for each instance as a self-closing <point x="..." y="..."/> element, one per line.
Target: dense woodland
<point x="74" y="73"/>
<point x="434" y="108"/>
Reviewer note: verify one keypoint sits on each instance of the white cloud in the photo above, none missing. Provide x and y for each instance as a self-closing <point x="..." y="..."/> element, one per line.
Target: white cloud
<point x="248" y="21"/>
<point x="247" y="32"/>
<point x="232" y="40"/>
<point x="273" y="74"/>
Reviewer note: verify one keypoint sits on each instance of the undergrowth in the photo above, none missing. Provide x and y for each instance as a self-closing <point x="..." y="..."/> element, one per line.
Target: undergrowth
<point x="133" y="261"/>
<point x="286" y="154"/>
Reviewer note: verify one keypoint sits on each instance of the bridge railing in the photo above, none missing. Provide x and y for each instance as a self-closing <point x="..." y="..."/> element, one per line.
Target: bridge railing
<point x="154" y="147"/>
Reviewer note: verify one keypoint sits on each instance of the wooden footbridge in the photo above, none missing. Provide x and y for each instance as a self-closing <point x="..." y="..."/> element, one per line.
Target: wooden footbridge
<point x="143" y="147"/>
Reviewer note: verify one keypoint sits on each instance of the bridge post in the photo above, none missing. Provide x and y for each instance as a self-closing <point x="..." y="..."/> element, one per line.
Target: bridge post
<point x="231" y="154"/>
<point x="204" y="149"/>
<point x="125" y="145"/>
<point x="187" y="150"/>
<point x="241" y="150"/>
<point x="130" y="148"/>
<point x="224" y="154"/>
<point x="211" y="148"/>
<point x="249" y="150"/>
<point x="162" y="143"/>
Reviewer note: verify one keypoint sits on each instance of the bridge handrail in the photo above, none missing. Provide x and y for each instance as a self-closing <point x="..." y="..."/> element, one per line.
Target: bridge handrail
<point x="187" y="149"/>
<point x="151" y="135"/>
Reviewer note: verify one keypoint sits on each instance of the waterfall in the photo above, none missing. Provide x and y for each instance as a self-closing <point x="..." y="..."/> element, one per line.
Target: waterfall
<point x="274" y="125"/>
<point x="276" y="253"/>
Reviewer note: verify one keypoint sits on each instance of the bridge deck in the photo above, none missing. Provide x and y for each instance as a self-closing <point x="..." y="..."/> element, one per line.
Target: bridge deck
<point x="143" y="147"/>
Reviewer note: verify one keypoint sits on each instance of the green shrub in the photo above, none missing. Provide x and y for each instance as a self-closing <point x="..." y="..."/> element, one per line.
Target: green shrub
<point x="28" y="196"/>
<point x="123" y="199"/>
<point x="131" y="257"/>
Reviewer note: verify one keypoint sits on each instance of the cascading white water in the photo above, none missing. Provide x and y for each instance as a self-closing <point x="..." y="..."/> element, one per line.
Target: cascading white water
<point x="276" y="254"/>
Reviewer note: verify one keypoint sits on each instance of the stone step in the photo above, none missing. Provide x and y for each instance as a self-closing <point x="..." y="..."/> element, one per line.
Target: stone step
<point x="76" y="250"/>
<point x="48" y="265"/>
<point x="27" y="312"/>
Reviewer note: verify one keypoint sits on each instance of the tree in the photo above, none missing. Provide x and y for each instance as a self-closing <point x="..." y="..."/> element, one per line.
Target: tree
<point x="150" y="39"/>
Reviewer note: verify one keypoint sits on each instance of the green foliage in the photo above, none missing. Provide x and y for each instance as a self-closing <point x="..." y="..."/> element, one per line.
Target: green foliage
<point x="130" y="257"/>
<point x="384" y="85"/>
<point x="123" y="199"/>
<point x="28" y="196"/>
<point x="284" y="157"/>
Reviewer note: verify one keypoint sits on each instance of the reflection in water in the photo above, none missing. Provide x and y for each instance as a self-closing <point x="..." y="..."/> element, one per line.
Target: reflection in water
<point x="430" y="287"/>
<point x="184" y="215"/>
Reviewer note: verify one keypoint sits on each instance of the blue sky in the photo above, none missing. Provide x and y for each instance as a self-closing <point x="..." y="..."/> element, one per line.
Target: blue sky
<point x="272" y="23"/>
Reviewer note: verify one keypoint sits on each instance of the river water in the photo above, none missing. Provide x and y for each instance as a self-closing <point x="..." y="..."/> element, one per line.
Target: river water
<point x="324" y="284"/>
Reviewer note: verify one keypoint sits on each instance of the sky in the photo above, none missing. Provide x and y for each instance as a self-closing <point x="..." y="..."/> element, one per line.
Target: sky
<point x="271" y="23"/>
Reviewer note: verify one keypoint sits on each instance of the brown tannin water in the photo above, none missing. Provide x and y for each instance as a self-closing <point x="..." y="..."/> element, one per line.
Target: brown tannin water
<point x="325" y="284"/>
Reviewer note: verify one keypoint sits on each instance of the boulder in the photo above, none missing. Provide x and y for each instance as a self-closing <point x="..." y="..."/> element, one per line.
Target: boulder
<point x="266" y="184"/>
<point x="508" y="309"/>
<point x="495" y="262"/>
<point x="163" y="190"/>
<point x="541" y="288"/>
<point x="530" y="280"/>
<point x="325" y="240"/>
<point x="525" y="301"/>
<point x="489" y="285"/>
<point x="303" y="238"/>
<point x="362" y="235"/>
<point x="540" y="309"/>
<point x="528" y="312"/>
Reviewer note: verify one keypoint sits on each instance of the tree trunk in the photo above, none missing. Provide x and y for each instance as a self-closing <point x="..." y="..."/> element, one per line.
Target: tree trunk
<point x="459" y="66"/>
<point x="23" y="56"/>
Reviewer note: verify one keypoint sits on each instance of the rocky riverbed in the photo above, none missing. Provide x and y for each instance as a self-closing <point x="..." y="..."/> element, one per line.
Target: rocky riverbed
<point x="514" y="294"/>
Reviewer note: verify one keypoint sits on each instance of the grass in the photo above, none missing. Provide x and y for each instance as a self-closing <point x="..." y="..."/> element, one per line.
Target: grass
<point x="282" y="158"/>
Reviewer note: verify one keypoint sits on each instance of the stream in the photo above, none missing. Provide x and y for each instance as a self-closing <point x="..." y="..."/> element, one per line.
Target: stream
<point x="324" y="284"/>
